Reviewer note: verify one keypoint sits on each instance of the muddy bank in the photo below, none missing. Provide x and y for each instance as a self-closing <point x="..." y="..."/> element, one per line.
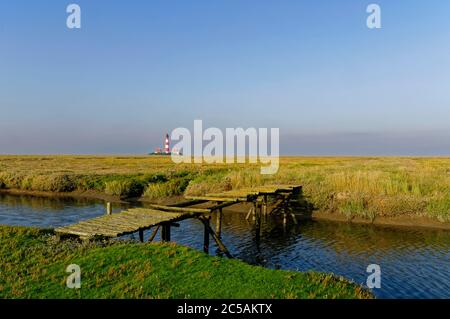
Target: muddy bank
<point x="401" y="221"/>
<point x="398" y="221"/>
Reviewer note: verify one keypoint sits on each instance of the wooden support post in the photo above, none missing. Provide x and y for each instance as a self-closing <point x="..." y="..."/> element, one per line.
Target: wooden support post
<point x="257" y="233"/>
<point x="286" y="209"/>
<point x="218" y="241"/>
<point x="265" y="205"/>
<point x="219" y="223"/>
<point x="168" y="233"/>
<point x="250" y="211"/>
<point x="141" y="235"/>
<point x="220" y="244"/>
<point x="277" y="208"/>
<point x="153" y="235"/>
<point x="206" y="235"/>
<point x="108" y="208"/>
<point x="165" y="232"/>
<point x="294" y="219"/>
<point x="258" y="216"/>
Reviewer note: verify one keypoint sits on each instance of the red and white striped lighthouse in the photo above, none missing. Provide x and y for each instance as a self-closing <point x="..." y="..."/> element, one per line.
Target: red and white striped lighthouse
<point x="166" y="145"/>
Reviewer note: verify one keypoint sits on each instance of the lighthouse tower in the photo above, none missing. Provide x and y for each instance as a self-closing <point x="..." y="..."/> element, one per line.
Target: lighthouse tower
<point x="166" y="145"/>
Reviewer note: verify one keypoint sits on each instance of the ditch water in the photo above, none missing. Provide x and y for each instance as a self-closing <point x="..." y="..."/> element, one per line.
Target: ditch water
<point x="415" y="263"/>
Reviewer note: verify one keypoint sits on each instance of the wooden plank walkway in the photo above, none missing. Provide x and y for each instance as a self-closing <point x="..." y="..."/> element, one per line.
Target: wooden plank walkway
<point x="248" y="194"/>
<point x="259" y="196"/>
<point x="124" y="223"/>
<point x="164" y="217"/>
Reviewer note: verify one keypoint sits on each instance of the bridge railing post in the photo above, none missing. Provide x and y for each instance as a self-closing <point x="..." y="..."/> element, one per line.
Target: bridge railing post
<point x="108" y="208"/>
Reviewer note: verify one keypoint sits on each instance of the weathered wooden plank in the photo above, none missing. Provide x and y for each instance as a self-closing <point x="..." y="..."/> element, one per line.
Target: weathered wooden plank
<point x="248" y="193"/>
<point x="222" y="205"/>
<point x="106" y="227"/>
<point x="146" y="217"/>
<point x="95" y="228"/>
<point x="73" y="232"/>
<point x="125" y="223"/>
<point x="129" y="221"/>
<point x="90" y="231"/>
<point x="118" y="223"/>
<point x="188" y="203"/>
<point x="181" y="209"/>
<point x="83" y="233"/>
<point x="218" y="199"/>
<point x="238" y="193"/>
<point x="149" y="211"/>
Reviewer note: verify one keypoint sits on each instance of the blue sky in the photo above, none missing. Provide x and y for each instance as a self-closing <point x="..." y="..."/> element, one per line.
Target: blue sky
<point x="138" y="69"/>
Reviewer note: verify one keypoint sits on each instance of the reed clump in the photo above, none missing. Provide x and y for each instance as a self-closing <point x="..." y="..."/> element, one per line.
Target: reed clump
<point x="172" y="187"/>
<point x="123" y="188"/>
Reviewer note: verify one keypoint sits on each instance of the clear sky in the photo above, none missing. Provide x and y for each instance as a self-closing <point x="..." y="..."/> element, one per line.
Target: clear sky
<point x="138" y="69"/>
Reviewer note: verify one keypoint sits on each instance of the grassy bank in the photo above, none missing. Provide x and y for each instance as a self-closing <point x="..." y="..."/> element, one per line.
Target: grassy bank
<point x="33" y="263"/>
<point x="352" y="187"/>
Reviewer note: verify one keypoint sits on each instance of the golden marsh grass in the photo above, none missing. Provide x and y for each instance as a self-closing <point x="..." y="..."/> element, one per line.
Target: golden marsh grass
<point x="354" y="186"/>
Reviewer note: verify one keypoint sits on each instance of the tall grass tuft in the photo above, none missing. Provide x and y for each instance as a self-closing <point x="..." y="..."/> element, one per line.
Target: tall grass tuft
<point x="51" y="183"/>
<point x="11" y="179"/>
<point x="172" y="187"/>
<point x="124" y="188"/>
<point x="208" y="183"/>
<point x="439" y="208"/>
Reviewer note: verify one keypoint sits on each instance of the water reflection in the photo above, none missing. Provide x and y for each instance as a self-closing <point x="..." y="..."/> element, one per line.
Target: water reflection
<point x="415" y="263"/>
<point x="48" y="211"/>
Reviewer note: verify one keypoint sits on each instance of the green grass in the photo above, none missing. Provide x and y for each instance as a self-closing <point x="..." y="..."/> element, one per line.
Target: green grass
<point x="366" y="187"/>
<point x="33" y="263"/>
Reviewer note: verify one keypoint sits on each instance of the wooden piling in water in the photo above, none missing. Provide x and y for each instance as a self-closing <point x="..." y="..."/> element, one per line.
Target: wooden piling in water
<point x="250" y="211"/>
<point x="218" y="241"/>
<point x="258" y="220"/>
<point x="219" y="222"/>
<point x="165" y="233"/>
<point x="153" y="235"/>
<point x="206" y="235"/>
<point x="265" y="205"/>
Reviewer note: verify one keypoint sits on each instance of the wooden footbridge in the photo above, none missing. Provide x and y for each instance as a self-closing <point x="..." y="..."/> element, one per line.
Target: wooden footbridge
<point x="163" y="217"/>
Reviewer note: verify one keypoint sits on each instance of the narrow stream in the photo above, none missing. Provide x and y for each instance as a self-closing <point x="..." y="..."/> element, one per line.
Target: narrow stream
<point x="414" y="262"/>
